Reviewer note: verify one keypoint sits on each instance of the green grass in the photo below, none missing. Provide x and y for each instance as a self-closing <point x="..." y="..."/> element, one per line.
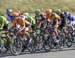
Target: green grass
<point x="31" y="5"/>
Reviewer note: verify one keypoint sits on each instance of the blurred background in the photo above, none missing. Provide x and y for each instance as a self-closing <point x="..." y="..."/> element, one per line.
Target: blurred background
<point x="31" y="5"/>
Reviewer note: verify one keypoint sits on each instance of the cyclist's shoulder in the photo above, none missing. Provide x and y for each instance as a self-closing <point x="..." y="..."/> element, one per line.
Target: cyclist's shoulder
<point x="2" y="17"/>
<point x="54" y="15"/>
<point x="30" y="17"/>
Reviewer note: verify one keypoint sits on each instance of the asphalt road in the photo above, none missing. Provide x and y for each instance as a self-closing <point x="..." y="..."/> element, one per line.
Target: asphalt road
<point x="55" y="53"/>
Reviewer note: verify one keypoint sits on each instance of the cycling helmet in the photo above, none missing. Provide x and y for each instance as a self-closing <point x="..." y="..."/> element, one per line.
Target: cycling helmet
<point x="57" y="11"/>
<point x="18" y="12"/>
<point x="15" y="14"/>
<point x="48" y="11"/>
<point x="8" y="11"/>
<point x="66" y="13"/>
<point x="26" y="14"/>
<point x="71" y="18"/>
<point x="38" y="11"/>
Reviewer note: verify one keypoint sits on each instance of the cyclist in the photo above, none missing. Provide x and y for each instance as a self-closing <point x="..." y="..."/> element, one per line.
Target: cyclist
<point x="70" y="19"/>
<point x="24" y="26"/>
<point x="3" y="23"/>
<point x="3" y="27"/>
<point x="39" y="17"/>
<point x="30" y="19"/>
<point x="53" y="17"/>
<point x="10" y="14"/>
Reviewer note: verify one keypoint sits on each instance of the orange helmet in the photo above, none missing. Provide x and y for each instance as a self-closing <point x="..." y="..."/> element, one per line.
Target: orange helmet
<point x="18" y="12"/>
<point x="48" y="11"/>
<point x="15" y="14"/>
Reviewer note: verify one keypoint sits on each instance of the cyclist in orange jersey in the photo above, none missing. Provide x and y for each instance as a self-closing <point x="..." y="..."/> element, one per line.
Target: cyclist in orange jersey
<point x="23" y="26"/>
<point x="53" y="18"/>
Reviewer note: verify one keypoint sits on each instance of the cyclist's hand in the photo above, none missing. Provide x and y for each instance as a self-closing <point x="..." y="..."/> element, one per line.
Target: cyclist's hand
<point x="19" y="31"/>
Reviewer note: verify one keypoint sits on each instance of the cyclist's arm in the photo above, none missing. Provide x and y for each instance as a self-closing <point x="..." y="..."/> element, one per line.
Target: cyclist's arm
<point x="28" y="23"/>
<point x="23" y="22"/>
<point x="39" y="24"/>
<point x="2" y="24"/>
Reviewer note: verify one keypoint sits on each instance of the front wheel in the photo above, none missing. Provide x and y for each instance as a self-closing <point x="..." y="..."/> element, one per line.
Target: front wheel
<point x="69" y="40"/>
<point x="4" y="47"/>
<point x="16" y="46"/>
<point x="47" y="43"/>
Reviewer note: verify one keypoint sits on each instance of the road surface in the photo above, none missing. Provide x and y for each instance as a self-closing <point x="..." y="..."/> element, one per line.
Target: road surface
<point x="64" y="53"/>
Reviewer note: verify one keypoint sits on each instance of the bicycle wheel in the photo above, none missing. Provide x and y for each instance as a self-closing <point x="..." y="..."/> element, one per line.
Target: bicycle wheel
<point x="39" y="42"/>
<point x="69" y="40"/>
<point x="47" y="43"/>
<point x="16" y="46"/>
<point x="5" y="47"/>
